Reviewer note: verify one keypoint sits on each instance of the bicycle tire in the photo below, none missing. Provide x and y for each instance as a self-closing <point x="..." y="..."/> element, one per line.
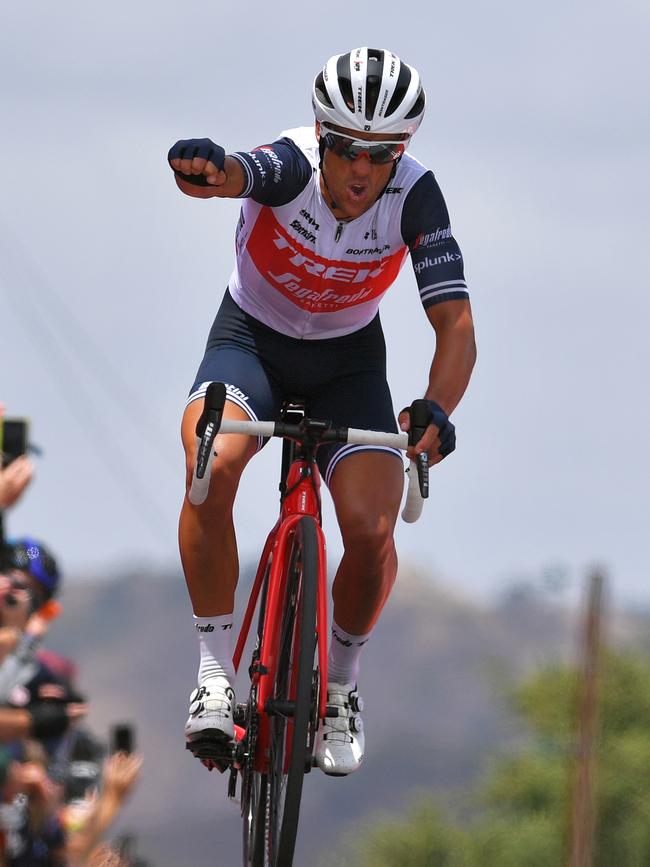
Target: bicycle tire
<point x="254" y="783"/>
<point x="294" y="675"/>
<point x="254" y="837"/>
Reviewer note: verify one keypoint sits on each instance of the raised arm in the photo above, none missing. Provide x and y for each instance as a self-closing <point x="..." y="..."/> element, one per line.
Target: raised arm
<point x="203" y="170"/>
<point x="271" y="174"/>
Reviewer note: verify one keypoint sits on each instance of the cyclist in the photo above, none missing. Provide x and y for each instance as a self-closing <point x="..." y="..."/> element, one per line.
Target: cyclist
<point x="328" y="216"/>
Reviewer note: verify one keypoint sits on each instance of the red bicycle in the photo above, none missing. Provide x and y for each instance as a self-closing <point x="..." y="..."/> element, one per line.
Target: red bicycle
<point x="275" y="730"/>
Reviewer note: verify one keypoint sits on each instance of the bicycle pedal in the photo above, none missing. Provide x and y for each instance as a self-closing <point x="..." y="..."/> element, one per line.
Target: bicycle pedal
<point x="215" y="746"/>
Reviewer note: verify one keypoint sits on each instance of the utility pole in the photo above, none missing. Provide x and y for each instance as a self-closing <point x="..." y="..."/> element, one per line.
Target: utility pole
<point x="583" y="807"/>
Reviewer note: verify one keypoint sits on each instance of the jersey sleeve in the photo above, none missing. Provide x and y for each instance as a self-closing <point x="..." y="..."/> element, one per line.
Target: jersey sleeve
<point x="435" y="254"/>
<point x="275" y="173"/>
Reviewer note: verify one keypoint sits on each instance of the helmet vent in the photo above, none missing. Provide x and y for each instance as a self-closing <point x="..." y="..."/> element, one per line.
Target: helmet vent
<point x="373" y="80"/>
<point x="418" y="106"/>
<point x="345" y="84"/>
<point x="321" y="91"/>
<point x="403" y="81"/>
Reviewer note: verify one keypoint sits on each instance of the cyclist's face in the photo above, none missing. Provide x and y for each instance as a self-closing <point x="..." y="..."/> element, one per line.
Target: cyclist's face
<point x="354" y="185"/>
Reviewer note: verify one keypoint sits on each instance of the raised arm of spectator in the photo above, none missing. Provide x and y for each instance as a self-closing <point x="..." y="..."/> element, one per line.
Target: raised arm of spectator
<point x="121" y="772"/>
<point x="14" y="478"/>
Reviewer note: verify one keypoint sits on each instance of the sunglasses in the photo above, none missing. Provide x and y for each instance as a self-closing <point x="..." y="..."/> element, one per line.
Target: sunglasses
<point x="378" y="152"/>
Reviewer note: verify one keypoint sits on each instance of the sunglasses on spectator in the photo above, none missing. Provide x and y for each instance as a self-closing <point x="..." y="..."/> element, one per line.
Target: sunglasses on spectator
<point x="378" y="152"/>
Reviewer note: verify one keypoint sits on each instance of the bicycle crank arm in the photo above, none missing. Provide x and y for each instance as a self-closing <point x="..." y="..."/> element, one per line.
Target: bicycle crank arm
<point x="274" y="707"/>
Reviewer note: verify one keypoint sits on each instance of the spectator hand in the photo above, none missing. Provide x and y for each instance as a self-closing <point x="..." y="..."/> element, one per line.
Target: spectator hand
<point x="13" y="480"/>
<point x="121" y="772"/>
<point x="104" y="856"/>
<point x="31" y="779"/>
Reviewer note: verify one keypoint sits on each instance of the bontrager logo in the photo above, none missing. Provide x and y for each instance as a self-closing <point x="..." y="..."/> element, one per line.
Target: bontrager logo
<point x="366" y="251"/>
<point x="418" y="267"/>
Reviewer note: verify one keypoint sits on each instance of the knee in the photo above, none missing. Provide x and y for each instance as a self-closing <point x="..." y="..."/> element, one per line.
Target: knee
<point x="224" y="481"/>
<point x="368" y="533"/>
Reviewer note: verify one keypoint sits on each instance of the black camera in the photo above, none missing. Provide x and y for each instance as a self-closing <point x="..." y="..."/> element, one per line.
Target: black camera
<point x="122" y="738"/>
<point x="13" y="439"/>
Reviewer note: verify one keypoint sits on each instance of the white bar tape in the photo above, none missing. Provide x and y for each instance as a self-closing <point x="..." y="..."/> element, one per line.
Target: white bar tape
<point x="378" y="438"/>
<point x="248" y="428"/>
<point x="414" y="502"/>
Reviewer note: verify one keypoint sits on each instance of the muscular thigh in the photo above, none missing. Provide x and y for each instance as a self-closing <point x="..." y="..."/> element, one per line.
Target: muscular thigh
<point x="367" y="490"/>
<point x="360" y="400"/>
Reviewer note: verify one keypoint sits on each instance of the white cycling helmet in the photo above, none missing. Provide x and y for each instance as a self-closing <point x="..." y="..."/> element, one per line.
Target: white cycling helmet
<point x="370" y="90"/>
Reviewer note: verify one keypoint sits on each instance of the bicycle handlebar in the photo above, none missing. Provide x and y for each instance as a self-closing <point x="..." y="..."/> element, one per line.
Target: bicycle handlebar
<point x="211" y="423"/>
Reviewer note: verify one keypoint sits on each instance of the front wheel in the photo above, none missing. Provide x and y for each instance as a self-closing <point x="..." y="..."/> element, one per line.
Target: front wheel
<point x="290" y="732"/>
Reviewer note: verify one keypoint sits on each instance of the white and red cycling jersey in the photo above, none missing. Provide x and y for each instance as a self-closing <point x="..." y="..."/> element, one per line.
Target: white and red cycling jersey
<point x="303" y="273"/>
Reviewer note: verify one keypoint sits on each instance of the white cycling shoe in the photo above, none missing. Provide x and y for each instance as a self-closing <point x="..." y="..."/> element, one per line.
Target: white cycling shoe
<point x="211" y="716"/>
<point x="340" y="743"/>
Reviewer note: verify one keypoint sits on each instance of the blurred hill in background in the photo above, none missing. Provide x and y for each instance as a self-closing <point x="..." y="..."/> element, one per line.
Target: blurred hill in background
<point x="436" y="679"/>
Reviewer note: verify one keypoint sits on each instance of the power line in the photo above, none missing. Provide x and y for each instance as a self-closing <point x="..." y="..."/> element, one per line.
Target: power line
<point x="82" y="403"/>
<point x="76" y="336"/>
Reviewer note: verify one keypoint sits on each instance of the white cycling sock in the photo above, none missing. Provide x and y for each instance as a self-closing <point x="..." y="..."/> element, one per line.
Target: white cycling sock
<point x="343" y="660"/>
<point x="215" y="646"/>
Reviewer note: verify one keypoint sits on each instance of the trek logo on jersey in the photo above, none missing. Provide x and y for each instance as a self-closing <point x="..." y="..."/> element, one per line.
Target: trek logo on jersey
<point x="311" y="282"/>
<point x="420" y="266"/>
<point x="432" y="238"/>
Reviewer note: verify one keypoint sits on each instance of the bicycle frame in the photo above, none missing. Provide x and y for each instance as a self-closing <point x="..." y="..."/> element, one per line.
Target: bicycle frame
<point x="301" y="498"/>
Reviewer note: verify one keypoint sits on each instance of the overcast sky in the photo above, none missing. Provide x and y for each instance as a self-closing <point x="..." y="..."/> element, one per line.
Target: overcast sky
<point x="537" y="129"/>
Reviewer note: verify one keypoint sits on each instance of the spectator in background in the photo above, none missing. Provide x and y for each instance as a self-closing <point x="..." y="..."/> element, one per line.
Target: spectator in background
<point x="104" y="856"/>
<point x="87" y="827"/>
<point x="13" y="479"/>
<point x="33" y="831"/>
<point x="33" y="700"/>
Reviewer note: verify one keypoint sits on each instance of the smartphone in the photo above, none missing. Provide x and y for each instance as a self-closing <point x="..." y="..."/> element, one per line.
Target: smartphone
<point x="14" y="434"/>
<point x="122" y="738"/>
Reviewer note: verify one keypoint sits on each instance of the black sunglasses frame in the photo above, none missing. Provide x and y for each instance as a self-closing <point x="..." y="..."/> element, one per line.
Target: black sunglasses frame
<point x="379" y="153"/>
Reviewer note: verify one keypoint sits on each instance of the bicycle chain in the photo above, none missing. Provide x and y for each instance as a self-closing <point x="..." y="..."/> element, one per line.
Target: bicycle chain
<point x="251" y="745"/>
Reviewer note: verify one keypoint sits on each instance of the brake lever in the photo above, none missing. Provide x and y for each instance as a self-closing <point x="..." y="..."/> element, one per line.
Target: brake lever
<point x="420" y="413"/>
<point x="208" y="424"/>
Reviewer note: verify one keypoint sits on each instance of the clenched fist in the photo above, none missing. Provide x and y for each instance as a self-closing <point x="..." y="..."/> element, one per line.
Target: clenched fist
<point x="199" y="161"/>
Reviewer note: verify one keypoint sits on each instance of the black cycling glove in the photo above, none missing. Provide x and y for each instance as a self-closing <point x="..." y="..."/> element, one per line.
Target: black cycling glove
<point x="446" y="429"/>
<point x="205" y="149"/>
